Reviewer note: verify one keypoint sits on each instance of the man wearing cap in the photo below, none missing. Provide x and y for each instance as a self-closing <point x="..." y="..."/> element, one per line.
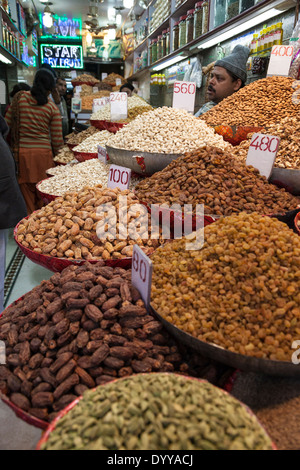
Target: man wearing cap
<point x="228" y="76"/>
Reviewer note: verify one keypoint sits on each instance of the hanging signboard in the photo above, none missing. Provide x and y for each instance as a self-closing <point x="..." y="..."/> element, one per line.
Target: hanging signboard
<point x="62" y="56"/>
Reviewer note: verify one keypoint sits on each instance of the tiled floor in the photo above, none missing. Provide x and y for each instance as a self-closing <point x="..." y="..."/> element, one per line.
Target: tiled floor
<point x="16" y="434"/>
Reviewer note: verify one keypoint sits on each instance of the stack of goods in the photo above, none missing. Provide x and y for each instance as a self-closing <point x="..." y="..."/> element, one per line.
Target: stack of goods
<point x="64" y="155"/>
<point x="84" y="327"/>
<point x="77" y="137"/>
<point x="104" y="86"/>
<point x="87" y="100"/>
<point x="111" y="80"/>
<point x="160" y="412"/>
<point x="166" y="130"/>
<point x="288" y="155"/>
<point x="90" y="144"/>
<point x="74" y="178"/>
<point x="216" y="179"/>
<point x="242" y="292"/>
<point x="74" y="221"/>
<point x="57" y="170"/>
<point x="85" y="79"/>
<point x="261" y="103"/>
<point x="136" y="106"/>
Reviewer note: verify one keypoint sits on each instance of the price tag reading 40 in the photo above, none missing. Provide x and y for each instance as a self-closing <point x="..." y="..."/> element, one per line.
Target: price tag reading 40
<point x="262" y="153"/>
<point x="280" y="60"/>
<point x="184" y="96"/>
<point x="119" y="177"/>
<point x="141" y="274"/>
<point x="118" y="106"/>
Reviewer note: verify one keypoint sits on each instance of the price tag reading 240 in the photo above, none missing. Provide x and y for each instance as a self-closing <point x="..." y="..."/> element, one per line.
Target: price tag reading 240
<point x="262" y="153"/>
<point x="184" y="96"/>
<point x="118" y="106"/>
<point x="119" y="177"/>
<point x="141" y="274"/>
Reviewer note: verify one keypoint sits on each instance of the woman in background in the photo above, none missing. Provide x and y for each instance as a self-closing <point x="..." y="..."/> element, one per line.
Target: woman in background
<point x="35" y="134"/>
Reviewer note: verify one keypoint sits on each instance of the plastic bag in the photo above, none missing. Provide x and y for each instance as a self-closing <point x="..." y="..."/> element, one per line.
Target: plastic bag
<point x="187" y="74"/>
<point x="196" y="74"/>
<point x="295" y="42"/>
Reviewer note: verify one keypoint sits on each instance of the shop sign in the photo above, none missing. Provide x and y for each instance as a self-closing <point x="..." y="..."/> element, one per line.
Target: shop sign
<point x="262" y="153"/>
<point x="63" y="28"/>
<point x="62" y="56"/>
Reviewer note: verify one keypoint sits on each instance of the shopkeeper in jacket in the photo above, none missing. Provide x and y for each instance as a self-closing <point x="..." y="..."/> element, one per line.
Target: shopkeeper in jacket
<point x="228" y="76"/>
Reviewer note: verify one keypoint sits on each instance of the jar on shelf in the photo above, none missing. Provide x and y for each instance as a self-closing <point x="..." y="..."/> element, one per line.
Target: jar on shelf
<point x="198" y="15"/>
<point x="278" y="34"/>
<point x="154" y="50"/>
<point x="164" y="43"/>
<point x="233" y="9"/>
<point x="159" y="47"/>
<point x="182" y="30"/>
<point x="150" y="52"/>
<point x="246" y="4"/>
<point x="220" y="12"/>
<point x="176" y="36"/>
<point x="205" y="16"/>
<point x="190" y="26"/>
<point x="168" y="41"/>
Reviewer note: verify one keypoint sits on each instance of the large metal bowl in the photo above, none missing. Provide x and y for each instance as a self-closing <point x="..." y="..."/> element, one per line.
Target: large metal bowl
<point x="286" y="178"/>
<point x="143" y="163"/>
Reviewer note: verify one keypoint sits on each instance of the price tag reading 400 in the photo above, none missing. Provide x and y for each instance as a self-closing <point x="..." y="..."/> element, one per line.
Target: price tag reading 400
<point x="262" y="153"/>
<point x="119" y="177"/>
<point x="141" y="274"/>
<point x="118" y="106"/>
<point x="184" y="96"/>
<point x="280" y="60"/>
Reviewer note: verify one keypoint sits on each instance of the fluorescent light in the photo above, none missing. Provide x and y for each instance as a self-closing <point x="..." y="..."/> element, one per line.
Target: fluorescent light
<point x="111" y="14"/>
<point x="4" y="59"/>
<point x="238" y="29"/>
<point x="47" y="20"/>
<point x="111" y="34"/>
<point x="169" y="62"/>
<point x="128" y="3"/>
<point x="118" y="18"/>
<point x="89" y="39"/>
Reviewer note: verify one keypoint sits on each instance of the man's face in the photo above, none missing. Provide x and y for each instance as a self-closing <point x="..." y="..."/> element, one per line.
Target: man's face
<point x="221" y="85"/>
<point x="127" y="90"/>
<point x="61" y="86"/>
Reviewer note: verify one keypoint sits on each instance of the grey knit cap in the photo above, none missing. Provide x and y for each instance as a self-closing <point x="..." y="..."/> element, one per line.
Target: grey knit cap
<point x="236" y="62"/>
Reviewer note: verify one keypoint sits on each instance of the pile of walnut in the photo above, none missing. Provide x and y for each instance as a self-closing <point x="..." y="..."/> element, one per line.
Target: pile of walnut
<point x="74" y="227"/>
<point x="84" y="327"/>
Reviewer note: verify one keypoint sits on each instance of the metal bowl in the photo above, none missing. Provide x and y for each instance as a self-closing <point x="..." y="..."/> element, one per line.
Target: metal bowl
<point x="143" y="163"/>
<point x="286" y="178"/>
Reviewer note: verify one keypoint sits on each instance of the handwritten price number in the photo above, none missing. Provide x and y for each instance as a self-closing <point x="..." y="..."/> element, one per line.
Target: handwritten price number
<point x="118" y="97"/>
<point x="184" y="88"/>
<point x="265" y="144"/>
<point x="119" y="177"/>
<point x="283" y="51"/>
<point x="141" y="274"/>
<point x="139" y="266"/>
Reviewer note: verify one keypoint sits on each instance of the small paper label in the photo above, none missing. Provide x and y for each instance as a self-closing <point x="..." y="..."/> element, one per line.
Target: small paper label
<point x="73" y="74"/>
<point x="184" y="96"/>
<point x="118" y="82"/>
<point x="118" y="106"/>
<point x="102" y="154"/>
<point x="119" y="177"/>
<point x="76" y="105"/>
<point x="262" y="153"/>
<point x="78" y="89"/>
<point x="141" y="274"/>
<point x="95" y="89"/>
<point x="280" y="61"/>
<point x="99" y="103"/>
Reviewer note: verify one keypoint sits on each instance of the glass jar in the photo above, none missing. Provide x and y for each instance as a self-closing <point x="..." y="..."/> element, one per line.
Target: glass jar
<point x="220" y="12"/>
<point x="154" y="50"/>
<point x="182" y="30"/>
<point x="198" y="20"/>
<point x="176" y="36"/>
<point x="164" y="43"/>
<point x="245" y="4"/>
<point x="233" y="9"/>
<point x="150" y="52"/>
<point x="205" y="16"/>
<point x="189" y="26"/>
<point x="159" y="47"/>
<point x="168" y="41"/>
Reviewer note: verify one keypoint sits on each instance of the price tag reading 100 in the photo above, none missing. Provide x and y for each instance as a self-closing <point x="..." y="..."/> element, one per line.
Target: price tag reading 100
<point x="262" y="153"/>
<point x="141" y="274"/>
<point x="184" y="96"/>
<point x="119" y="177"/>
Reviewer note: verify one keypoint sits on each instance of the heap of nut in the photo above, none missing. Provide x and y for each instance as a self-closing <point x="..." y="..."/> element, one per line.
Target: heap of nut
<point x="288" y="155"/>
<point x="75" y="138"/>
<point x="261" y="103"/>
<point x="84" y="327"/>
<point x="166" y="130"/>
<point x="64" y="155"/>
<point x="75" y="177"/>
<point x="90" y="144"/>
<point x="134" y="101"/>
<point x="215" y="178"/>
<point x="112" y="77"/>
<point x="90" y="224"/>
<point x="239" y="291"/>
<point x="85" y="78"/>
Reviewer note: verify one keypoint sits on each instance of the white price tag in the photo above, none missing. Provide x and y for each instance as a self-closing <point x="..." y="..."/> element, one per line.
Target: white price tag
<point x="262" y="153"/>
<point x="73" y="74"/>
<point x="118" y="106"/>
<point x="184" y="94"/>
<point x="280" y="60"/>
<point x="119" y="177"/>
<point x="2" y="92"/>
<point x="141" y="274"/>
<point x="99" y="103"/>
<point x="78" y="89"/>
<point x="76" y="105"/>
<point x="95" y="89"/>
<point x="102" y="154"/>
<point x="118" y="82"/>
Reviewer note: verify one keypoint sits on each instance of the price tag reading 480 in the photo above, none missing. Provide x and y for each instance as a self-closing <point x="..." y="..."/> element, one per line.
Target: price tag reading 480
<point x="262" y="153"/>
<point x="141" y="274"/>
<point x="184" y="96"/>
<point x="118" y="177"/>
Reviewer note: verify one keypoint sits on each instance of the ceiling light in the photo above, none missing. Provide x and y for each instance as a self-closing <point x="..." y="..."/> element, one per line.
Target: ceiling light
<point x="89" y="39"/>
<point x="111" y="34"/>
<point x="128" y="3"/>
<point x="118" y="18"/>
<point x="4" y="59"/>
<point x="47" y="18"/>
<point x="111" y="13"/>
<point x="169" y="62"/>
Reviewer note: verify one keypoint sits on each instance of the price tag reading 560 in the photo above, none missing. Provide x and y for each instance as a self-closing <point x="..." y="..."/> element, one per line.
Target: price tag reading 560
<point x="141" y="274"/>
<point x="262" y="153"/>
<point x="184" y="96"/>
<point x="118" y="177"/>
